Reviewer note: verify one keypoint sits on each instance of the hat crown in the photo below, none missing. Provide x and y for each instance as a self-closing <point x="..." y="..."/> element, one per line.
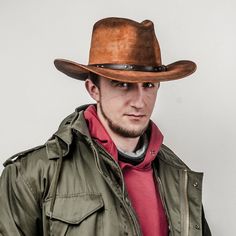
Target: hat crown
<point x="124" y="41"/>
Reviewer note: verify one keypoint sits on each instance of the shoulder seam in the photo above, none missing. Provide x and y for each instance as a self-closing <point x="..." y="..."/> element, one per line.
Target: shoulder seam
<point x="19" y="154"/>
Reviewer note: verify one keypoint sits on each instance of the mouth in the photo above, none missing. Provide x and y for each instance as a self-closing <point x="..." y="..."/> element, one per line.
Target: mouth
<point x="136" y="116"/>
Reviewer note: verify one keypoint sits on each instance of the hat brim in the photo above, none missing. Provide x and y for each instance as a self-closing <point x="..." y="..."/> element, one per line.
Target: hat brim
<point x="176" y="70"/>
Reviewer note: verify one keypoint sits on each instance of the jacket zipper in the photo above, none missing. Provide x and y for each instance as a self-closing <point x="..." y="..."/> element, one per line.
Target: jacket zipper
<point x="161" y="191"/>
<point x="183" y="200"/>
<point x="185" y="204"/>
<point x="127" y="208"/>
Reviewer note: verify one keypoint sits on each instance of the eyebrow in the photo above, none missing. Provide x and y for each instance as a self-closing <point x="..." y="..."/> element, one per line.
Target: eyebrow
<point x="116" y="82"/>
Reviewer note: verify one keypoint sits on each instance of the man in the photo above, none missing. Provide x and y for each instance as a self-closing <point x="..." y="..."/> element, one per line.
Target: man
<point x="105" y="171"/>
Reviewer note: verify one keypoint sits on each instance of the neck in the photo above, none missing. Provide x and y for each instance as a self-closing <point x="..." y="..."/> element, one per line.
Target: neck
<point x="124" y="143"/>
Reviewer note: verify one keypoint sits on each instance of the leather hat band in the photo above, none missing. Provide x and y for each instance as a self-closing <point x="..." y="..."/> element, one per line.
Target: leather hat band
<point x="129" y="67"/>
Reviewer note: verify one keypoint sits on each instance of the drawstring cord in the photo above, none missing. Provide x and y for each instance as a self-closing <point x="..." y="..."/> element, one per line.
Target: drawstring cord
<point x="58" y="170"/>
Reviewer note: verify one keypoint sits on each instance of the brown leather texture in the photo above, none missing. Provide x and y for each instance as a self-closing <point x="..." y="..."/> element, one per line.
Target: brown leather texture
<point x="124" y="41"/>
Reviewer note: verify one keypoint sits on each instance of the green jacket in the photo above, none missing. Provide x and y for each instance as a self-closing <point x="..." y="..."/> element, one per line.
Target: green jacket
<point x="72" y="186"/>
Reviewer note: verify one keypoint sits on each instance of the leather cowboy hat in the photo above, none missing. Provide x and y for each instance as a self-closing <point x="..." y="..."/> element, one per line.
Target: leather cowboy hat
<point x="128" y="51"/>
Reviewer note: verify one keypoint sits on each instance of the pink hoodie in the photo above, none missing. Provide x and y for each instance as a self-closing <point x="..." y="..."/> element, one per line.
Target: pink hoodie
<point x="139" y="179"/>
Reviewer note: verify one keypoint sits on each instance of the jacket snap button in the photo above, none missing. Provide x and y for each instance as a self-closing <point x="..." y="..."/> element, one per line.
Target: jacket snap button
<point x="197" y="227"/>
<point x="195" y="184"/>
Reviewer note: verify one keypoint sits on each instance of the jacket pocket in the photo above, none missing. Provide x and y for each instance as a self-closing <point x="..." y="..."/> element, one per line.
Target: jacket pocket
<point x="79" y="214"/>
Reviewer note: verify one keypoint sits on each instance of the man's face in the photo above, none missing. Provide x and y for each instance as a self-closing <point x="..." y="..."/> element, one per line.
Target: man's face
<point x="125" y="108"/>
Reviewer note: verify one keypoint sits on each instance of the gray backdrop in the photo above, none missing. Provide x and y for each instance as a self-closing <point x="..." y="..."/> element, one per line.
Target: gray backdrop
<point x="197" y="115"/>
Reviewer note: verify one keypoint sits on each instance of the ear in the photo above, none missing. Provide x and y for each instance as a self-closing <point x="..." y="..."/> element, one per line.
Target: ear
<point x="92" y="89"/>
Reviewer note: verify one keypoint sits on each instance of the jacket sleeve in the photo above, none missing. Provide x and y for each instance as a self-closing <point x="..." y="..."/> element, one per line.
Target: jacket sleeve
<point x="205" y="227"/>
<point x="19" y="211"/>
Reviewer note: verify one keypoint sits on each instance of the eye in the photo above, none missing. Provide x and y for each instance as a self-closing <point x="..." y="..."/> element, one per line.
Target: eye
<point x="123" y="85"/>
<point x="120" y="84"/>
<point x="149" y="85"/>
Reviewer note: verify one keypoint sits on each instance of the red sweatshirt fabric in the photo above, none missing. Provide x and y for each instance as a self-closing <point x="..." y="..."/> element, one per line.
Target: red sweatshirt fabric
<point x="139" y="179"/>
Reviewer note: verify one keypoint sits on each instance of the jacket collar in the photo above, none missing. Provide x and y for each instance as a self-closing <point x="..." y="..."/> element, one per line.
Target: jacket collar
<point x="62" y="139"/>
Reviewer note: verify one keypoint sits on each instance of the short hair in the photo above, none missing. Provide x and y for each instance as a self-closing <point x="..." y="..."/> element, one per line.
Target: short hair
<point x="94" y="78"/>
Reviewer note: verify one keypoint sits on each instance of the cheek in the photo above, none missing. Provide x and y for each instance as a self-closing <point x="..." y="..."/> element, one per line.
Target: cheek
<point x="115" y="99"/>
<point x="112" y="105"/>
<point x="117" y="96"/>
<point x="151" y="99"/>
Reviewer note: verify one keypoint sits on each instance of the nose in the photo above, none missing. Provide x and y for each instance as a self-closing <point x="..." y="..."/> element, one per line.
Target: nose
<point x="137" y="98"/>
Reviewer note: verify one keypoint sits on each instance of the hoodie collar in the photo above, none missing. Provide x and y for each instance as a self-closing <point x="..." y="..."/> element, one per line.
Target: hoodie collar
<point x="98" y="133"/>
<point x="85" y="121"/>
